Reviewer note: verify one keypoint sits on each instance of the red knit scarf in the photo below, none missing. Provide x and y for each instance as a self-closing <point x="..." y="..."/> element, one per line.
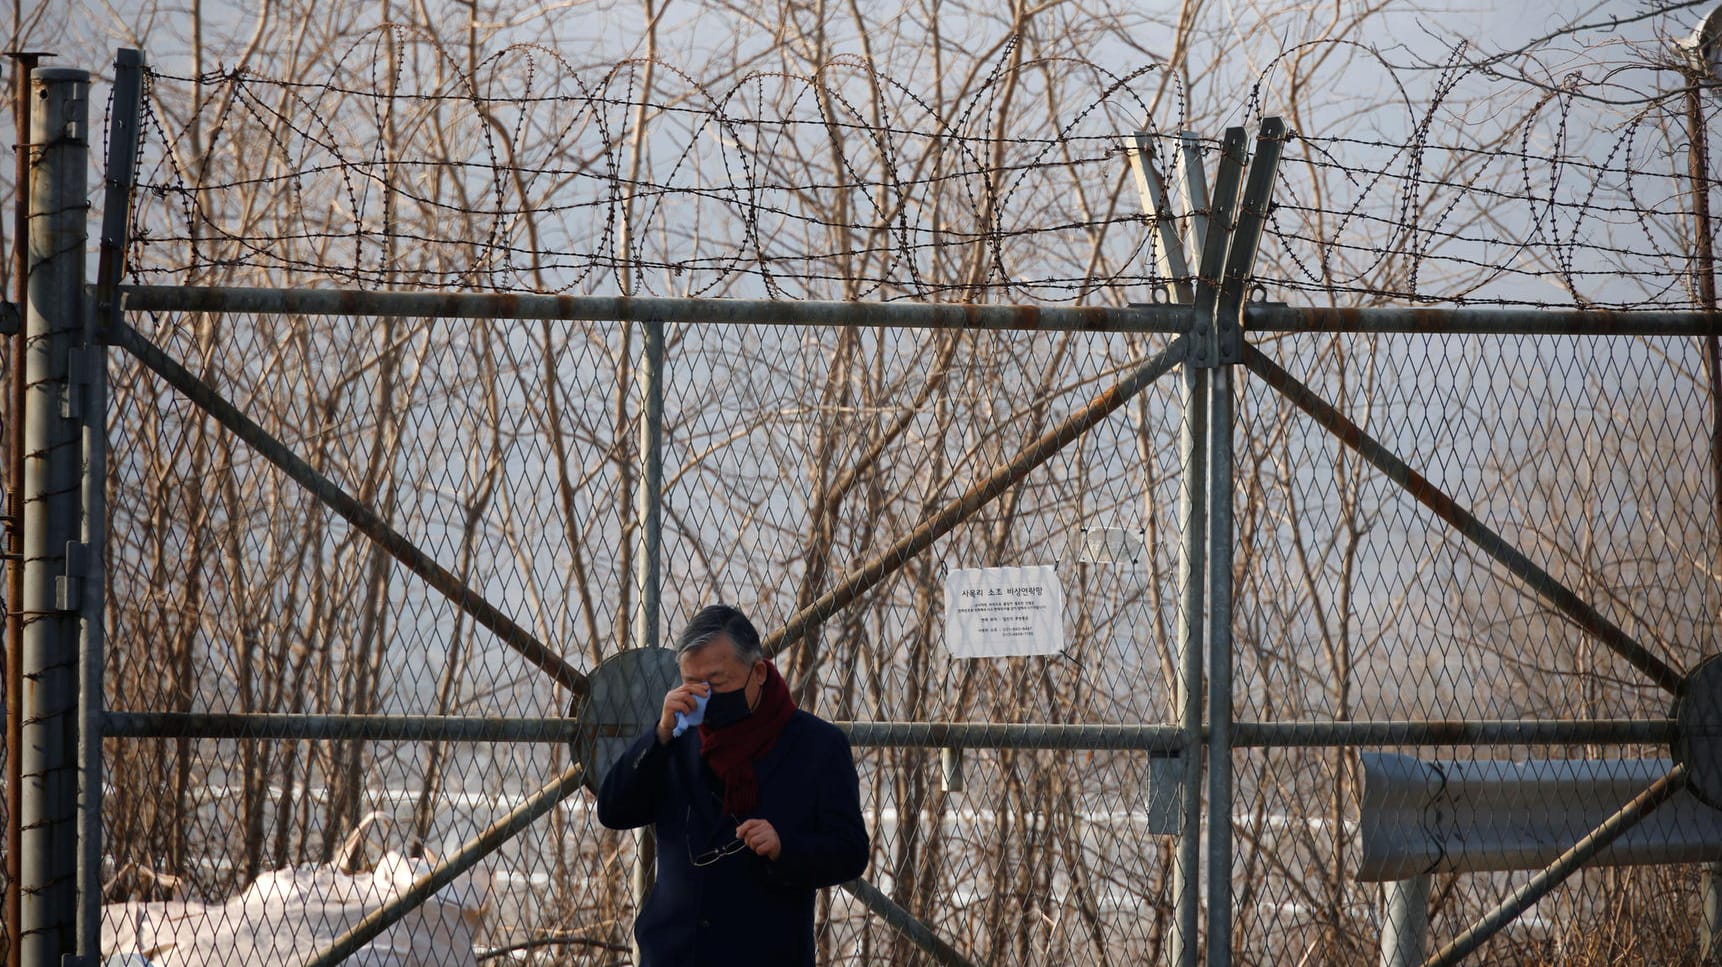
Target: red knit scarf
<point x="731" y="751"/>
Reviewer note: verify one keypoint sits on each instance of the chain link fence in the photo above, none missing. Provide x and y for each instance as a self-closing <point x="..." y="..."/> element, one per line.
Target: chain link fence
<point x="501" y="452"/>
<point x="508" y="450"/>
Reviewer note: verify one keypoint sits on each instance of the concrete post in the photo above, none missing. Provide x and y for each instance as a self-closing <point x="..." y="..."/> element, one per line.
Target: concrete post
<point x="54" y="557"/>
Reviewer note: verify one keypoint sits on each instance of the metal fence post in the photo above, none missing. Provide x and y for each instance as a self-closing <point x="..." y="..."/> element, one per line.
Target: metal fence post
<point x="1704" y="279"/>
<point x="648" y="497"/>
<point x="1173" y="263"/>
<point x="1192" y="559"/>
<point x="123" y="128"/>
<point x="1405" y="930"/>
<point x="1220" y="406"/>
<point x="1244" y="226"/>
<point x="23" y="62"/>
<point x="647" y="561"/>
<point x="55" y="561"/>
<point x="1208" y="350"/>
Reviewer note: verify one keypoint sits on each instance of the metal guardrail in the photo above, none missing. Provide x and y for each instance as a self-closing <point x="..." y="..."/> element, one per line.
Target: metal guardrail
<point x="1552" y="815"/>
<point x="1421" y="817"/>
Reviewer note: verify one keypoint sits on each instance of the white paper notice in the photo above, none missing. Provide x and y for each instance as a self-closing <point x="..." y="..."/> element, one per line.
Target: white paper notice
<point x="995" y="612"/>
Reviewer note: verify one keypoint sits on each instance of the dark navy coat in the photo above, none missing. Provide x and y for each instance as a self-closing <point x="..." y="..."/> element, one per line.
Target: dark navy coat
<point x="737" y="907"/>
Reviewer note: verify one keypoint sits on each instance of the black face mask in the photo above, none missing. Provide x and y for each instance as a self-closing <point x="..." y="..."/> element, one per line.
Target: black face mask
<point x="727" y="708"/>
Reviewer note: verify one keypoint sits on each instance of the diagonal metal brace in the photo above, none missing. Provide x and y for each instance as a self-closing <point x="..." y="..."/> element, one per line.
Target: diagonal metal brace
<point x="895" y="557"/>
<point x="485" y="843"/>
<point x="1564" y="866"/>
<point x="351" y="509"/>
<point x="1426" y="493"/>
<point x="905" y="923"/>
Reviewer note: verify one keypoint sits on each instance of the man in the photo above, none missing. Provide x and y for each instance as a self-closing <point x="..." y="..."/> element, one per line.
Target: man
<point x="756" y="807"/>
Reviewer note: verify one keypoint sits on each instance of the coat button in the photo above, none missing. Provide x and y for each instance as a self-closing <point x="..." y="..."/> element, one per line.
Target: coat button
<point x="705" y="923"/>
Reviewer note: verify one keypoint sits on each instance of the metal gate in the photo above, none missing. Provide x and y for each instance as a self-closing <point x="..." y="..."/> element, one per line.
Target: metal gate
<point x="345" y="526"/>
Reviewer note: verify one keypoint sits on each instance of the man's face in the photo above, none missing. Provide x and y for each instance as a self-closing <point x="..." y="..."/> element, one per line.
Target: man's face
<point x="716" y="663"/>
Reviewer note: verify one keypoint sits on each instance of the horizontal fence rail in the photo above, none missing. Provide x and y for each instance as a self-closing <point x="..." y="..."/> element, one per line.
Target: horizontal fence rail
<point x="931" y="735"/>
<point x="1152" y="317"/>
<point x="733" y="312"/>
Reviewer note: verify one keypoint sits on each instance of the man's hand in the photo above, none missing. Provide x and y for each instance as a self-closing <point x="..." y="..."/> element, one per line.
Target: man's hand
<point x="760" y="837"/>
<point x="678" y="699"/>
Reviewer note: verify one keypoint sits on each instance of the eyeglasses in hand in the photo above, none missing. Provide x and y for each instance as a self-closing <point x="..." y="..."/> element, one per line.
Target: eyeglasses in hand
<point x="710" y="856"/>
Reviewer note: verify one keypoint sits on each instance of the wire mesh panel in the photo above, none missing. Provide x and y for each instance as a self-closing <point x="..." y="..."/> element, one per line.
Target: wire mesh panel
<point x="508" y="452"/>
<point x="1578" y="452"/>
<point x="505" y="451"/>
<point x="235" y="591"/>
<point x="1360" y="604"/>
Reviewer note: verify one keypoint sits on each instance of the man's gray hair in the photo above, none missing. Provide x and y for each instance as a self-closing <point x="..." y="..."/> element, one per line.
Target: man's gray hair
<point x="721" y="619"/>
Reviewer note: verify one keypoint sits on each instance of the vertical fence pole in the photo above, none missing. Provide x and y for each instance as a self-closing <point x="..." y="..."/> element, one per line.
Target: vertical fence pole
<point x="123" y="127"/>
<point x="1405" y="932"/>
<point x="23" y="63"/>
<point x="54" y="558"/>
<point x="1206" y="352"/>
<point x="1242" y="237"/>
<point x="647" y="560"/>
<point x="1220" y="405"/>
<point x="1704" y="285"/>
<point x="647" y="498"/>
<point x="1704" y="263"/>
<point x="1193" y="515"/>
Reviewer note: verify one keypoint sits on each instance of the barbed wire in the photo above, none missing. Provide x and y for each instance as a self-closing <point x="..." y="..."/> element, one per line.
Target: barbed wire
<point x="529" y="175"/>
